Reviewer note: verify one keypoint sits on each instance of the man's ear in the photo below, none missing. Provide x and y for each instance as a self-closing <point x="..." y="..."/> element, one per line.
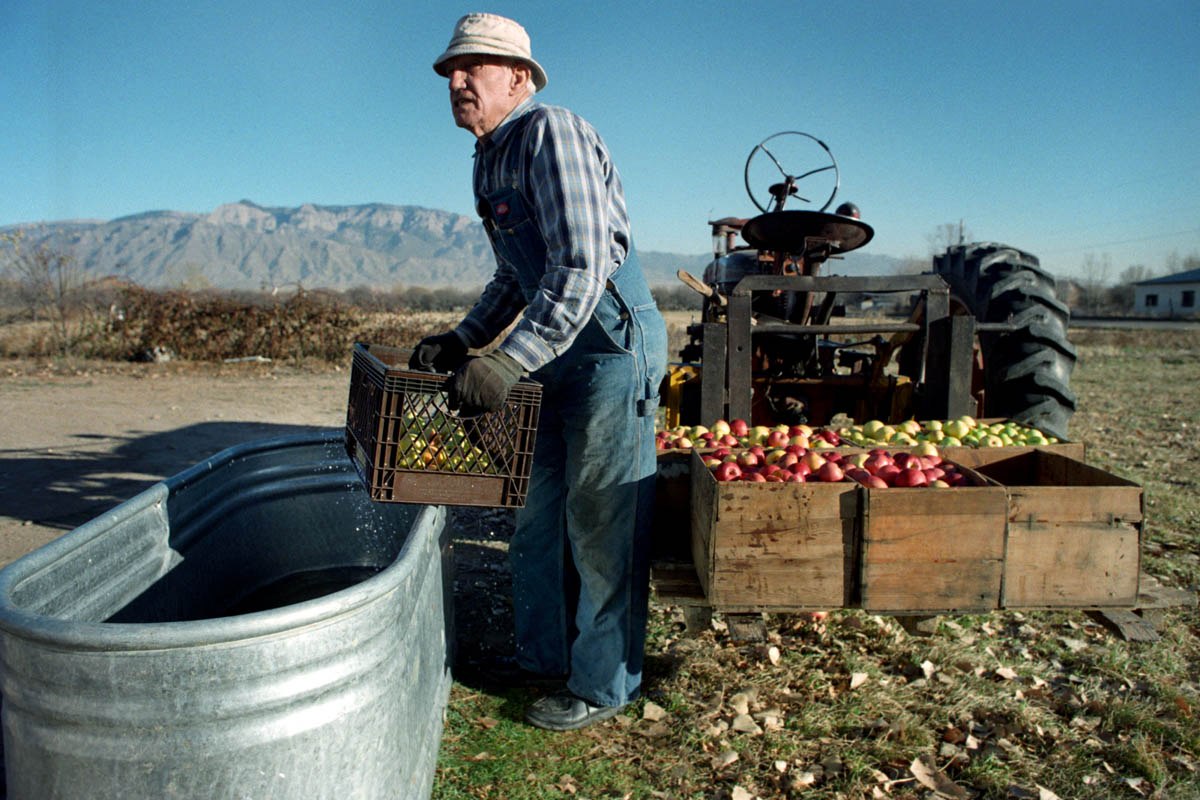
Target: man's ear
<point x="522" y="76"/>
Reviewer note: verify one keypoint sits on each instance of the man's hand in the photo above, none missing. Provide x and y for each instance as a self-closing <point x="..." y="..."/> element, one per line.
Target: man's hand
<point x="482" y="384"/>
<point x="444" y="352"/>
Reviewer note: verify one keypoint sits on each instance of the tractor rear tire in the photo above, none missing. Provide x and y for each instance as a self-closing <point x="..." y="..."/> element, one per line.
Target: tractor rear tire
<point x="1027" y="371"/>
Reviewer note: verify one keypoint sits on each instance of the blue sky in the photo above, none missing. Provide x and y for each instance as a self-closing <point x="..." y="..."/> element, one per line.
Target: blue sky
<point x="1068" y="129"/>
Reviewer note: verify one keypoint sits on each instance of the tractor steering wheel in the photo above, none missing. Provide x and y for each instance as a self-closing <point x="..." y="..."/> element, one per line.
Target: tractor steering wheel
<point x="788" y="186"/>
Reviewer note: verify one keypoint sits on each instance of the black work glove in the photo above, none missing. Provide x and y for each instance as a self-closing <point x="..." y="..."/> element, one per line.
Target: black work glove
<point x="482" y="384"/>
<point x="444" y="352"/>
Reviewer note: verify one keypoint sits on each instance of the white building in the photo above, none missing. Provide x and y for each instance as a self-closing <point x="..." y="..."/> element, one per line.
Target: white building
<point x="1168" y="296"/>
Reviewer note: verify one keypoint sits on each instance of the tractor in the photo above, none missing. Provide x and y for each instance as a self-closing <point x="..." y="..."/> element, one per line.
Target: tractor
<point x="984" y="335"/>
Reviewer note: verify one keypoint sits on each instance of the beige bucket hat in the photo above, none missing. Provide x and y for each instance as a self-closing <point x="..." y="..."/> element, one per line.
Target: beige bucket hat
<point x="491" y="34"/>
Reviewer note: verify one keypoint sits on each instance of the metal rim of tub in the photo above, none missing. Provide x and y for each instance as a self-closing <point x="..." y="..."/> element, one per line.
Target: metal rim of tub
<point x="165" y="635"/>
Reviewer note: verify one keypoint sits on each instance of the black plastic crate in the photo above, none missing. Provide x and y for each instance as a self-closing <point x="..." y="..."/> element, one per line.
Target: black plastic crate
<point x="410" y="448"/>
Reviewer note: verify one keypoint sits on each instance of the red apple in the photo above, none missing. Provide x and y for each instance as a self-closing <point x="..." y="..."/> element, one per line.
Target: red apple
<point x="832" y="455"/>
<point x="727" y="471"/>
<point x="795" y="477"/>
<point x="902" y="459"/>
<point x="955" y="478"/>
<point x="875" y="482"/>
<point x="800" y="468"/>
<point x="754" y="477"/>
<point x="739" y="427"/>
<point x="747" y="459"/>
<point x="911" y="477"/>
<point x="769" y="469"/>
<point x="777" y="439"/>
<point x="876" y="462"/>
<point x="830" y="472"/>
<point x="758" y="451"/>
<point x="857" y="473"/>
<point x="888" y="473"/>
<point x="787" y="459"/>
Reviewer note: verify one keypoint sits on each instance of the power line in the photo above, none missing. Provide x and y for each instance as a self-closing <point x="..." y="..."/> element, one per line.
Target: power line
<point x="1123" y="241"/>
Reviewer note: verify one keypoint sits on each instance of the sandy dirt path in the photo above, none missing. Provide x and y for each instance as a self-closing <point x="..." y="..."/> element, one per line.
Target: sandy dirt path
<point x="74" y="443"/>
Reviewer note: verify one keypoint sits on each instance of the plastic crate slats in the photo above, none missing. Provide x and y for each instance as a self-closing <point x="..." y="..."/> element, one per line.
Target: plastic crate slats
<point x="409" y="447"/>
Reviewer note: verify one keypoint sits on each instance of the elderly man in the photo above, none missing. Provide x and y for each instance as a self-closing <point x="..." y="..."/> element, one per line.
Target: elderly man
<point x="590" y="333"/>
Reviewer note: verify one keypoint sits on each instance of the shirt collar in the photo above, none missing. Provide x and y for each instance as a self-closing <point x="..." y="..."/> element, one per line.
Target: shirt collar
<point x="505" y="128"/>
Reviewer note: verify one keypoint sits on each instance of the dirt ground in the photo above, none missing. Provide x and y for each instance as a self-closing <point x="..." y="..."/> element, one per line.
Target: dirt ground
<point x="76" y="441"/>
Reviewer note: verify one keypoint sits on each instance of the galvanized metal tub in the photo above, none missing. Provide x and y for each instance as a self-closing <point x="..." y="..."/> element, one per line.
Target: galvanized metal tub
<point x="253" y="627"/>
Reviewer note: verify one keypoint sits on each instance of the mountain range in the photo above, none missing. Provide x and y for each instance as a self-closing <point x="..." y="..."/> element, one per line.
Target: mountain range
<point x="243" y="245"/>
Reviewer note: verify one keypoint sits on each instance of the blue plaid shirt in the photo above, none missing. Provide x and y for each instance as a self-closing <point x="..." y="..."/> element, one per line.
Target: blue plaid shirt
<point x="579" y="208"/>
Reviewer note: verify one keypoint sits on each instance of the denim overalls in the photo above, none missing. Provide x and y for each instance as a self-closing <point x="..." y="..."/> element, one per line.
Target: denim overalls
<point x="580" y="553"/>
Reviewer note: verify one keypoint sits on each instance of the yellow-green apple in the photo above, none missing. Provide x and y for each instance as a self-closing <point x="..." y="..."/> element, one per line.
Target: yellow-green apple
<point x="758" y="434"/>
<point x="956" y="428"/>
<point x="813" y="459"/>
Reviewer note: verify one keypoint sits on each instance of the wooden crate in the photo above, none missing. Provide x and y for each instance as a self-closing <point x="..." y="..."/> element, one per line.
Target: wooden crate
<point x="974" y="457"/>
<point x="933" y="550"/>
<point x="773" y="546"/>
<point x="1074" y="533"/>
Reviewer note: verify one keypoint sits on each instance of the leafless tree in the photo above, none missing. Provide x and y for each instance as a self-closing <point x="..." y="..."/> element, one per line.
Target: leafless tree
<point x="947" y="235"/>
<point x="1121" y="295"/>
<point x="49" y="283"/>
<point x="1093" y="286"/>
<point x="1135" y="273"/>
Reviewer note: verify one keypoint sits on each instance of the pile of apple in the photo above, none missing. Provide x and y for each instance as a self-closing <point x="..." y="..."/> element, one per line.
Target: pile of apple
<point x="439" y="442"/>
<point x="960" y="432"/>
<point x="739" y="433"/>
<point x="877" y="469"/>
<point x="787" y="464"/>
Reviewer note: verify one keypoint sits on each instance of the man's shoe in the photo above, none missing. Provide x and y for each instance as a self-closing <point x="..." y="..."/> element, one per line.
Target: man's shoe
<point x="566" y="712"/>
